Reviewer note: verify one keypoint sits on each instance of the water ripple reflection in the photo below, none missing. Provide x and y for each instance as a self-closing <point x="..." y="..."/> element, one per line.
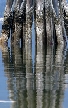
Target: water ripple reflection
<point x="42" y="88"/>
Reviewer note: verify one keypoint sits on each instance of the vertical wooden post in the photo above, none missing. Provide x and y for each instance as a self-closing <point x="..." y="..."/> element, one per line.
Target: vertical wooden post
<point x="39" y="25"/>
<point x="39" y="50"/>
<point x="8" y="8"/>
<point x="58" y="26"/>
<point x="48" y="21"/>
<point x="28" y="43"/>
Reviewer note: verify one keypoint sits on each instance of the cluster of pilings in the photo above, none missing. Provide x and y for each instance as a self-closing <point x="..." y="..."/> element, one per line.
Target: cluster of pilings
<point x="44" y="86"/>
<point x="47" y="16"/>
<point x="43" y="20"/>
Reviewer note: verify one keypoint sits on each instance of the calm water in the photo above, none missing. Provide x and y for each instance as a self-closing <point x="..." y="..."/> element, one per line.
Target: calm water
<point x="41" y="81"/>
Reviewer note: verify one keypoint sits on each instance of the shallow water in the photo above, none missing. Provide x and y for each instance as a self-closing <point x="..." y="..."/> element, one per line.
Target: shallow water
<point x="37" y="81"/>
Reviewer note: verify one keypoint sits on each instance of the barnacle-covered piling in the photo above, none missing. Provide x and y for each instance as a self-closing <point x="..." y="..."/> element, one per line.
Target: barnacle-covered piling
<point x="48" y="16"/>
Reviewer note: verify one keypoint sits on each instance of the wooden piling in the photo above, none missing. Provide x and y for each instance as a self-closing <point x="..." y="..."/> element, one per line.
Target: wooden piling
<point x="47" y="17"/>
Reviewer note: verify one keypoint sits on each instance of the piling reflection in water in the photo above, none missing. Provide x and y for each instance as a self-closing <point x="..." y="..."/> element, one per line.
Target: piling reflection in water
<point x="43" y="89"/>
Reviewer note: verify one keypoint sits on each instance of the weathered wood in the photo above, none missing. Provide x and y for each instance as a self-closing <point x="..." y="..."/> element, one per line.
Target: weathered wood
<point x="8" y="7"/>
<point x="48" y="16"/>
<point x="55" y="6"/>
<point x="28" y="43"/>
